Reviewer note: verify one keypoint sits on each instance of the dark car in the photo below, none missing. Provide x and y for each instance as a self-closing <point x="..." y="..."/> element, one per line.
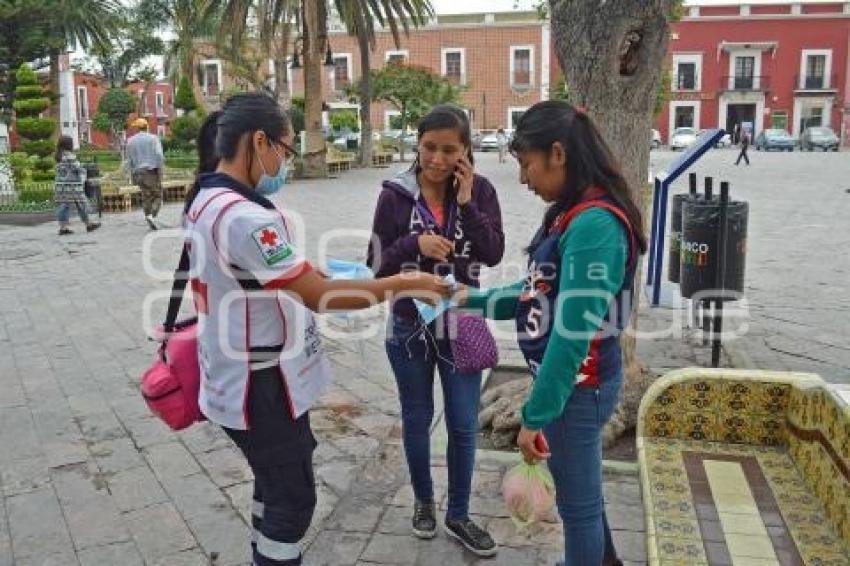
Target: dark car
<point x="774" y="139"/>
<point x="819" y="137"/>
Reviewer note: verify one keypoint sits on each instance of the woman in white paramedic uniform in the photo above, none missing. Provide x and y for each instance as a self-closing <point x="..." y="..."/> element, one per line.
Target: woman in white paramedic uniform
<point x="262" y="364"/>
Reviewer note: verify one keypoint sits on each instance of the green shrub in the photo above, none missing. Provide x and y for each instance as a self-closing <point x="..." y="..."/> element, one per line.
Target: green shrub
<point x="35" y="128"/>
<point x="181" y="162"/>
<point x="29" y="91"/>
<point x="184" y="98"/>
<point x="99" y="155"/>
<point x="185" y="128"/>
<point x="41" y="148"/>
<point x="44" y="175"/>
<point x="344" y="119"/>
<point x="35" y="195"/>
<point x="31" y="107"/>
<point x="45" y="206"/>
<point x="296" y="115"/>
<point x="46" y="164"/>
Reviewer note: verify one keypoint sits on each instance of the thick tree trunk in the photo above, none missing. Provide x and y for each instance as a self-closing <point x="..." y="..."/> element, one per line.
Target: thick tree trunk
<point x="315" y="34"/>
<point x="365" y="96"/>
<point x="612" y="54"/>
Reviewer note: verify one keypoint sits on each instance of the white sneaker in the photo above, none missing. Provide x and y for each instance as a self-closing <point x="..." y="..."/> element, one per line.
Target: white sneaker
<point x="150" y="221"/>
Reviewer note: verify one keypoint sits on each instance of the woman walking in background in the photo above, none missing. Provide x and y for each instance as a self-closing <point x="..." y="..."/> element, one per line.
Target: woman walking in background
<point x="69" y="188"/>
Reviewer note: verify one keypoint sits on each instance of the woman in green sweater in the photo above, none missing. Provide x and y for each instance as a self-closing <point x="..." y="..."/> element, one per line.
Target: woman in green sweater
<point x="570" y="310"/>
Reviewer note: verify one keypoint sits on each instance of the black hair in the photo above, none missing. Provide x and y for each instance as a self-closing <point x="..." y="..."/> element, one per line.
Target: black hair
<point x="590" y="162"/>
<point x="246" y="113"/>
<point x="65" y="143"/>
<point x="208" y="158"/>
<point x="446" y="117"/>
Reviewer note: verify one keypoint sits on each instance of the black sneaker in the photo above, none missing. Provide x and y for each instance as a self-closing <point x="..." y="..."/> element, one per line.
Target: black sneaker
<point x="473" y="537"/>
<point x="424" y="520"/>
<point x="93" y="226"/>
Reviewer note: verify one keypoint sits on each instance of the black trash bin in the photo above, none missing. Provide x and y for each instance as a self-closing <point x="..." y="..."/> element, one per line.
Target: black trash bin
<point x="699" y="256"/>
<point x="92" y="186"/>
<point x="675" y="237"/>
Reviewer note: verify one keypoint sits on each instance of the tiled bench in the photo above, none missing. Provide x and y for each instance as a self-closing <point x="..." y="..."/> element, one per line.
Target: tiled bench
<point x="745" y="467"/>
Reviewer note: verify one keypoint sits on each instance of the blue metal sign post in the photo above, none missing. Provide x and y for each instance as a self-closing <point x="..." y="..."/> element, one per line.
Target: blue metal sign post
<point x="659" y="206"/>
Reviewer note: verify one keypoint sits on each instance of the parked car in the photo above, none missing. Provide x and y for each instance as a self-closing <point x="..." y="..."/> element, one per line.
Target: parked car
<point x="391" y="138"/>
<point x="819" y="137"/>
<point x="724" y="141"/>
<point x="490" y="142"/>
<point x="656" y="140"/>
<point x="774" y="139"/>
<point x="682" y="138"/>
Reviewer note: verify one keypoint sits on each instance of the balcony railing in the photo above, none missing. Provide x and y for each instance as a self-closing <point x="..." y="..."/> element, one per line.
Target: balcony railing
<point x="817" y="82"/>
<point x="745" y="82"/>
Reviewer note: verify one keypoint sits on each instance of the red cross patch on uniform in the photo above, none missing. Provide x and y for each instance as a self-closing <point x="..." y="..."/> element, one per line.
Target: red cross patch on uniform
<point x="272" y="246"/>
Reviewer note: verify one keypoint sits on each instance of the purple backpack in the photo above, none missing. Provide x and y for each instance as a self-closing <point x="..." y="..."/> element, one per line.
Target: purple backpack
<point x="473" y="346"/>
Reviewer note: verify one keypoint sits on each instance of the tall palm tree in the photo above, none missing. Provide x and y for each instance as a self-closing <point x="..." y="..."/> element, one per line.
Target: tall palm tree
<point x="85" y="23"/>
<point x="359" y="17"/>
<point x="189" y="20"/>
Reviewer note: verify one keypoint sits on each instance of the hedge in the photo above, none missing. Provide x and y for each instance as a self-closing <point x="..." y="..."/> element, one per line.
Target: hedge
<point x="35" y="128"/>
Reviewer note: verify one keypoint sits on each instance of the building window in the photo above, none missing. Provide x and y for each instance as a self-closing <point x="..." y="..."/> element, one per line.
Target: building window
<point x="342" y="75"/>
<point x="686" y="76"/>
<point x="144" y="99"/>
<point x="514" y="114"/>
<point x="400" y="56"/>
<point x="83" y="103"/>
<point x="521" y="66"/>
<point x="779" y="120"/>
<point x="453" y="65"/>
<point x="744" y="72"/>
<point x="815" y="69"/>
<point x="160" y="104"/>
<point x="211" y="85"/>
<point x="684" y="117"/>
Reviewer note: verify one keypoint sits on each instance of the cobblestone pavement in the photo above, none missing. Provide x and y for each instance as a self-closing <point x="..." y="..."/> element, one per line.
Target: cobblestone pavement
<point x="89" y="477"/>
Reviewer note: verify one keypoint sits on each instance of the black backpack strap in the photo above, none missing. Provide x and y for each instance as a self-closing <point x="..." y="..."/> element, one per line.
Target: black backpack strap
<point x="181" y="278"/>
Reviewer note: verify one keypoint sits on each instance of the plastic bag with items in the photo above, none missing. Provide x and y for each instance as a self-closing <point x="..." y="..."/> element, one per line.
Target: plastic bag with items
<point x="529" y="493"/>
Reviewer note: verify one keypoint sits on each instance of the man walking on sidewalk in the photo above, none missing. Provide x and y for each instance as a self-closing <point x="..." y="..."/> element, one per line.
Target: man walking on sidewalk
<point x="745" y="144"/>
<point x="146" y="162"/>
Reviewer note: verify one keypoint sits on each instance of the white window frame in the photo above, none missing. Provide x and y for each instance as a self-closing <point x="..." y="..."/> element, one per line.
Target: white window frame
<point x="220" y="76"/>
<point x="695" y="104"/>
<point x="160" y="103"/>
<point x="827" y="67"/>
<point x="511" y="109"/>
<point x="696" y="59"/>
<point x="83" y="103"/>
<point x="349" y="67"/>
<point x="387" y="115"/>
<point x="404" y="52"/>
<point x="733" y="56"/>
<point x="513" y="49"/>
<point x="443" y="67"/>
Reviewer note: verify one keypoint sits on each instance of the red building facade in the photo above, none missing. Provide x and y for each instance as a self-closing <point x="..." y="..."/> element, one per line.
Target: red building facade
<point x="782" y="65"/>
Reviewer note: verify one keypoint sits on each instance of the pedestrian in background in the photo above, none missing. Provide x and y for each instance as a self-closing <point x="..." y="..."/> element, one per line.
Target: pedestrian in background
<point x="502" y="143"/>
<point x="146" y="162"/>
<point x="69" y="187"/>
<point x="745" y="145"/>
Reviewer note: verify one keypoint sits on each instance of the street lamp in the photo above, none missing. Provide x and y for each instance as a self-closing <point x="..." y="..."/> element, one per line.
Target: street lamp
<point x="296" y="62"/>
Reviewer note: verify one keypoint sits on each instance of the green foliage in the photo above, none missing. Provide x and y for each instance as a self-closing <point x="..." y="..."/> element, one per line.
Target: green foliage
<point x="35" y="195"/>
<point x="26" y="76"/>
<point x="395" y="122"/>
<point x="188" y="162"/>
<point x="113" y="110"/>
<point x="21" y="166"/>
<point x="562" y="90"/>
<point x="413" y="90"/>
<point x="41" y="148"/>
<point x="46" y="164"/>
<point x="296" y="115"/>
<point x="31" y="107"/>
<point x="344" y="120"/>
<point x="35" y="128"/>
<point x="662" y="95"/>
<point x="29" y="91"/>
<point x="298" y="102"/>
<point x="185" y="129"/>
<point x="99" y="155"/>
<point x="44" y="176"/>
<point x="184" y="98"/>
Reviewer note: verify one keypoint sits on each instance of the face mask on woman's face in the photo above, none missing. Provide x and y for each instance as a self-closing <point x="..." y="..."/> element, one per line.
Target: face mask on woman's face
<point x="267" y="184"/>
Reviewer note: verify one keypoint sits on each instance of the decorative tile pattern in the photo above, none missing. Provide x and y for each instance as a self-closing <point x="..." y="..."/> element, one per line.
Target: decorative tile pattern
<point x="797" y="431"/>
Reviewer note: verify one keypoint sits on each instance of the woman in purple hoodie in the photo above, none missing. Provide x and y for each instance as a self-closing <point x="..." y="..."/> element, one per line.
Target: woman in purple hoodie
<point x="438" y="217"/>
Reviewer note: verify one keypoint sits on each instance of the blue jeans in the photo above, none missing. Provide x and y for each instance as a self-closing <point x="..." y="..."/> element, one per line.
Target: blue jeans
<point x="413" y="355"/>
<point x="63" y="212"/>
<point x="575" y="442"/>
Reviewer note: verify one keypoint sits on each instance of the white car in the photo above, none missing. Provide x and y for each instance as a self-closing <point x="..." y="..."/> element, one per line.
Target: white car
<point x="489" y="143"/>
<point x="682" y="138"/>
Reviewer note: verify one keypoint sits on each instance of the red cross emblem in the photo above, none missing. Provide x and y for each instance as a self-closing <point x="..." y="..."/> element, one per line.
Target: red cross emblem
<point x="268" y="237"/>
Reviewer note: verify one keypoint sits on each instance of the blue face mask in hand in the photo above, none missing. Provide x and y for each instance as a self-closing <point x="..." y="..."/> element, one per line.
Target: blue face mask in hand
<point x="268" y="185"/>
